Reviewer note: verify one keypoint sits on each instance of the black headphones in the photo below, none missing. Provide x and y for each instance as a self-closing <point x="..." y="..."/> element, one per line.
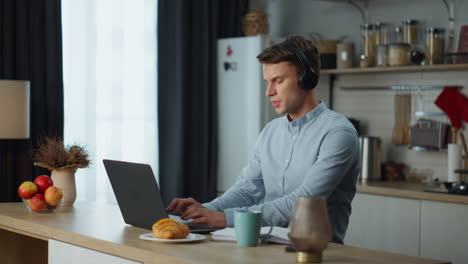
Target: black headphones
<point x="308" y="78"/>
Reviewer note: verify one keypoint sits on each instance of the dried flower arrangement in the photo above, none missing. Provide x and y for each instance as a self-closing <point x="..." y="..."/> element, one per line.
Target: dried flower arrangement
<point x="52" y="154"/>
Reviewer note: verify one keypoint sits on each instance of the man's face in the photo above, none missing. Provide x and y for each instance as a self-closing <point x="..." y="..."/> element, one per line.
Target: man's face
<point x="284" y="91"/>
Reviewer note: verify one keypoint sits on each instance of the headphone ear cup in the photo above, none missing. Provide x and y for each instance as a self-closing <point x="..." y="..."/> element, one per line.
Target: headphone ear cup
<point x="306" y="82"/>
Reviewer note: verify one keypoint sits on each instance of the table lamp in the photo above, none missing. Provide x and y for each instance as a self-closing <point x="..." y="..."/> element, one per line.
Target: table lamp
<point x="14" y="109"/>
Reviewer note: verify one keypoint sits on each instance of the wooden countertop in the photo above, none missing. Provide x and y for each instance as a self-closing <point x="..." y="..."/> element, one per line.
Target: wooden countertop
<point x="410" y="190"/>
<point x="101" y="228"/>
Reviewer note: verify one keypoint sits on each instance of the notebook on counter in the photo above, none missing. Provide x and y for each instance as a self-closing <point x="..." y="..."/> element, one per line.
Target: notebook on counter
<point x="278" y="235"/>
<point x="139" y="197"/>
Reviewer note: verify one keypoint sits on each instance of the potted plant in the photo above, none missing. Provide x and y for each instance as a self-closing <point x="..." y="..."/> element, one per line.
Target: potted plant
<point x="62" y="161"/>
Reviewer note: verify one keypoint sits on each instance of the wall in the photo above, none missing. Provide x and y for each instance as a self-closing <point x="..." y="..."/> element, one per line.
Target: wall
<point x="375" y="109"/>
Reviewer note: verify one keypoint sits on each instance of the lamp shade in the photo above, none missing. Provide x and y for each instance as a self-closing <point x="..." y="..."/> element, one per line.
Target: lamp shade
<point x="14" y="109"/>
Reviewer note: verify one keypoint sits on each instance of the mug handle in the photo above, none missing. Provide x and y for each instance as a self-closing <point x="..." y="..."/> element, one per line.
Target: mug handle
<point x="264" y="237"/>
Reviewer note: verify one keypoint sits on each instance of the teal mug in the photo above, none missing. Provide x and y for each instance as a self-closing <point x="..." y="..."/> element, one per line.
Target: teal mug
<point x="247" y="225"/>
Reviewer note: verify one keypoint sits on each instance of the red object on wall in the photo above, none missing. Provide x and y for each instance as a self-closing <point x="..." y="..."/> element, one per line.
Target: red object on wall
<point x="229" y="51"/>
<point x="454" y="104"/>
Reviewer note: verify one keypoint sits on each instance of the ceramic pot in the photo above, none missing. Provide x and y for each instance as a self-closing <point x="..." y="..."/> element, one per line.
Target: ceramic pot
<point x="65" y="179"/>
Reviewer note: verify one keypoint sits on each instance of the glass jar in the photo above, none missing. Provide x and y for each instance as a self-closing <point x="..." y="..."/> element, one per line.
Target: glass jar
<point x="435" y="38"/>
<point x="398" y="35"/>
<point x="410" y="31"/>
<point x="398" y="54"/>
<point x="368" y="43"/>
<point x="382" y="55"/>
<point x="382" y="33"/>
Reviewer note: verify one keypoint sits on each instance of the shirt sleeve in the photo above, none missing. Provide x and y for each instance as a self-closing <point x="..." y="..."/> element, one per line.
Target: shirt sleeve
<point x="338" y="152"/>
<point x="247" y="191"/>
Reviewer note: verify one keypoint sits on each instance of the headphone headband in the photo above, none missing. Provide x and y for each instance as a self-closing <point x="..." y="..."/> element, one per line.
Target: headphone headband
<point x="308" y="77"/>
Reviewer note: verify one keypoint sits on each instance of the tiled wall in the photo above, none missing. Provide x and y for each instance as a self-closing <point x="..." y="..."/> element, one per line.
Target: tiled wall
<point x="375" y="110"/>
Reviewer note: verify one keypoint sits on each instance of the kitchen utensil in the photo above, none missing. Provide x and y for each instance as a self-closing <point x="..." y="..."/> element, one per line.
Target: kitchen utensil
<point x="370" y="148"/>
<point x="397" y="135"/>
<point x="465" y="148"/>
<point x="406" y="106"/>
<point x="310" y="229"/>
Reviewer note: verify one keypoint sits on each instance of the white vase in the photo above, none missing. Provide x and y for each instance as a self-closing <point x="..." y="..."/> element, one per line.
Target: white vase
<point x="65" y="179"/>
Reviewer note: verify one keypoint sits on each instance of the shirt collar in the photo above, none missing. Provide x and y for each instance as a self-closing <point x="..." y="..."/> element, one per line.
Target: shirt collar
<point x="307" y="117"/>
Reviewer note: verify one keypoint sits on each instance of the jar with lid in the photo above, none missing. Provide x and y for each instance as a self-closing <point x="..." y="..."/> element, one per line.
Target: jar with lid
<point x="410" y="31"/>
<point x="382" y="39"/>
<point x="398" y="54"/>
<point x="397" y="35"/>
<point x="435" y="38"/>
<point x="368" y="43"/>
<point x="382" y="33"/>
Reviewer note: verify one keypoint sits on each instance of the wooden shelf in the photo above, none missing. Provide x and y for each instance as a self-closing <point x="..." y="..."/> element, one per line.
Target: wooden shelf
<point x="439" y="67"/>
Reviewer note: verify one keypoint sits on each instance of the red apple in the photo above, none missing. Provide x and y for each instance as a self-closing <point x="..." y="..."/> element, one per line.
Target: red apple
<point x="43" y="182"/>
<point x="37" y="203"/>
<point x="27" y="189"/>
<point x="53" y="195"/>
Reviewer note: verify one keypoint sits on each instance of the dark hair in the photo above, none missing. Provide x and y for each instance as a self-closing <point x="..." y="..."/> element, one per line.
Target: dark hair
<point x="280" y="52"/>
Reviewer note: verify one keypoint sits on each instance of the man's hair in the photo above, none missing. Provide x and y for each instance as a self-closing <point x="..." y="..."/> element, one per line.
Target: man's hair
<point x="280" y="52"/>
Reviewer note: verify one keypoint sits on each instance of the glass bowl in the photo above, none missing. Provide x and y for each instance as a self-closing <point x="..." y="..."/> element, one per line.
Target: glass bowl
<point x="48" y="210"/>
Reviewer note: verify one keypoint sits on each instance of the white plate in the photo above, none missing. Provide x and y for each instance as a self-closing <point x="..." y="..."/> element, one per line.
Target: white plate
<point x="190" y="238"/>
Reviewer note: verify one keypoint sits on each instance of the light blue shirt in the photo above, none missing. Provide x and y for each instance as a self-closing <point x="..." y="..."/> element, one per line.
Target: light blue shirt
<point x="315" y="155"/>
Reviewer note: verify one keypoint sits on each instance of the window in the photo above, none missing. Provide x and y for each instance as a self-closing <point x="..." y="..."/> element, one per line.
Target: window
<point x="110" y="93"/>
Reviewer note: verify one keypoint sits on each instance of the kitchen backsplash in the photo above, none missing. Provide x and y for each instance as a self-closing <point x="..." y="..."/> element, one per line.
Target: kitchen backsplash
<point x="375" y="110"/>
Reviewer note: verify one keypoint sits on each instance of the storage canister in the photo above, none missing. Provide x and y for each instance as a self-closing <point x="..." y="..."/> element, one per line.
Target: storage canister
<point x="410" y="31"/>
<point x="435" y="38"/>
<point x="370" y="151"/>
<point x="382" y="33"/>
<point x="368" y="43"/>
<point x="345" y="55"/>
<point x="382" y="55"/>
<point x="398" y="54"/>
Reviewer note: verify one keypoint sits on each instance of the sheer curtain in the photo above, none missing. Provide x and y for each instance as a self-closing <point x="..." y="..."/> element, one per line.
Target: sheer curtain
<point x="109" y="63"/>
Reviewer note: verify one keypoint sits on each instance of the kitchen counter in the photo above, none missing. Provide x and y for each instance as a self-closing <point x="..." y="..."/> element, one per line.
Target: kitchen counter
<point x="410" y="190"/>
<point x="100" y="228"/>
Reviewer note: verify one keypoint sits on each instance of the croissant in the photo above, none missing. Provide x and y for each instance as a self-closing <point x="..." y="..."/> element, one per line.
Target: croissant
<point x="169" y="229"/>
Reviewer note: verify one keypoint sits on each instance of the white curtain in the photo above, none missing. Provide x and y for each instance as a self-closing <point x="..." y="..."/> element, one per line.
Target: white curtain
<point x="109" y="63"/>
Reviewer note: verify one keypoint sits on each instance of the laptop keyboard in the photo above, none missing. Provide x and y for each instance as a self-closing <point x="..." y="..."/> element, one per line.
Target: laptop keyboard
<point x="198" y="227"/>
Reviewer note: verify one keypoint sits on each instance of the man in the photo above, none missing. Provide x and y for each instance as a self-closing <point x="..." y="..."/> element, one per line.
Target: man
<point x="310" y="151"/>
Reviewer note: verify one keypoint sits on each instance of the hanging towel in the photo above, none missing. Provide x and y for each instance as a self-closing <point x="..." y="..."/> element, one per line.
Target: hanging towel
<point x="454" y="104"/>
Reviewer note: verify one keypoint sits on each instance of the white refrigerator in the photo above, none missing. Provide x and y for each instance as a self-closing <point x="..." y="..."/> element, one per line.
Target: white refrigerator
<point x="243" y="108"/>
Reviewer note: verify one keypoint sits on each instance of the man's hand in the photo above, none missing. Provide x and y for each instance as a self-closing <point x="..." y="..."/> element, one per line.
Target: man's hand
<point x="205" y="215"/>
<point x="180" y="205"/>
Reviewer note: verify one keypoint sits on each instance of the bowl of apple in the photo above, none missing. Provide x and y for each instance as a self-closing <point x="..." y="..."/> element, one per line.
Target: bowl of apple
<point x="41" y="196"/>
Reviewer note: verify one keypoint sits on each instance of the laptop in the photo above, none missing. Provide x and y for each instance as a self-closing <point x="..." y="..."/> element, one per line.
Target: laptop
<point x="139" y="198"/>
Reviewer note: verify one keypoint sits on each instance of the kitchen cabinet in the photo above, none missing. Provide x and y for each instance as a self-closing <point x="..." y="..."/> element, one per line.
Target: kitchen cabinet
<point x="444" y="231"/>
<point x="428" y="229"/>
<point x="60" y="252"/>
<point x="385" y="223"/>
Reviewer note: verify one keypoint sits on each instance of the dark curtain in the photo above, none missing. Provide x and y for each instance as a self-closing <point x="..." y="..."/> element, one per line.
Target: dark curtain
<point x="187" y="104"/>
<point x="31" y="49"/>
